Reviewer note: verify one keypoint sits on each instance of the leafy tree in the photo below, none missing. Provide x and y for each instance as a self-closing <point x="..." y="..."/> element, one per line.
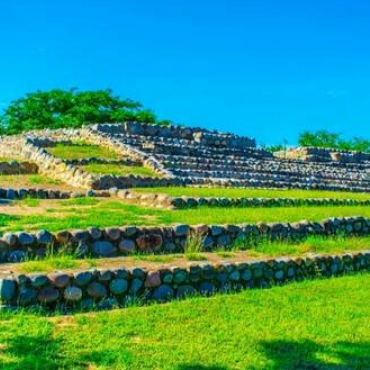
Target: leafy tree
<point x="326" y="139"/>
<point x="71" y="108"/>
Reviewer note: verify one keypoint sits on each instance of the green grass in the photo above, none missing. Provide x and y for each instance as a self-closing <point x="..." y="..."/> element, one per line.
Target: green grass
<point x="84" y="201"/>
<point x="28" y="202"/>
<point x="313" y="244"/>
<point x="315" y="325"/>
<point x="50" y="264"/>
<point x="118" y="170"/>
<point x="102" y="213"/>
<point x="153" y="258"/>
<point x="252" y="193"/>
<point x="82" y="150"/>
<point x="27" y="181"/>
<point x="9" y="159"/>
<point x="192" y="256"/>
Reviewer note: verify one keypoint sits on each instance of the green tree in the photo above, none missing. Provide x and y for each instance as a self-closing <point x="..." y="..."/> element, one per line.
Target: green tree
<point x="326" y="139"/>
<point x="71" y="108"/>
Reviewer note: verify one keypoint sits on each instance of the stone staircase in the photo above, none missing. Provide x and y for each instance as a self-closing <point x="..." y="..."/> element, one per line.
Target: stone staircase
<point x="225" y="161"/>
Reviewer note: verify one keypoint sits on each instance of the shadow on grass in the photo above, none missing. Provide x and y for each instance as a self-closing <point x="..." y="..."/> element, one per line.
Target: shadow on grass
<point x="43" y="352"/>
<point x="309" y="355"/>
<point x="31" y="352"/>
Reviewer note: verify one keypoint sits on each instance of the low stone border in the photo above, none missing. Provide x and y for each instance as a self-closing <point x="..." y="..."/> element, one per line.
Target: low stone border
<point x="166" y="201"/>
<point x="105" y="289"/>
<point x="116" y="241"/>
<point x="18" y="168"/>
<point x="12" y="194"/>
<point x="85" y="161"/>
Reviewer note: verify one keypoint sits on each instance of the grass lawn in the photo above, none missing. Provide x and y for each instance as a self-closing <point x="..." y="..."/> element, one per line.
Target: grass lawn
<point x="31" y="181"/>
<point x="82" y="213"/>
<point x="80" y="150"/>
<point x="252" y="193"/>
<point x="316" y="325"/>
<point x="119" y="170"/>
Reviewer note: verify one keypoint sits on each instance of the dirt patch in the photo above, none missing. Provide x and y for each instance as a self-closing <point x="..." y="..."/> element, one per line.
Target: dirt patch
<point x="33" y="182"/>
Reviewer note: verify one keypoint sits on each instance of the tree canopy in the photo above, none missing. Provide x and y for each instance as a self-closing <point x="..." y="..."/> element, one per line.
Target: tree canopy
<point x="326" y="139"/>
<point x="71" y="108"/>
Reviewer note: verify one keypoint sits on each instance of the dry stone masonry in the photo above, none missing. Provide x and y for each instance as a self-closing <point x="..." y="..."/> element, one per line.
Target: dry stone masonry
<point x="192" y="156"/>
<point x="126" y="240"/>
<point x="17" y="168"/>
<point x="166" y="201"/>
<point x="106" y="289"/>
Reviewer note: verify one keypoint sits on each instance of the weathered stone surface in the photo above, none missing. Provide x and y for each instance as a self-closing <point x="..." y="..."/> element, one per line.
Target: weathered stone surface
<point x="184" y="291"/>
<point x="44" y="237"/>
<point x="135" y="287"/>
<point x="73" y="294"/>
<point x="27" y="296"/>
<point x="103" y="249"/>
<point x="38" y="280"/>
<point x="118" y="286"/>
<point x="127" y="246"/>
<point x="60" y="280"/>
<point x="7" y="289"/>
<point x="48" y="295"/>
<point x="153" y="279"/>
<point x="181" y="230"/>
<point x="82" y="278"/>
<point x="96" y="290"/>
<point x="163" y="293"/>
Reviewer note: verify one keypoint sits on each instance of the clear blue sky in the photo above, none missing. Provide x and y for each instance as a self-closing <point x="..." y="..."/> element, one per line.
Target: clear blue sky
<point x="264" y="68"/>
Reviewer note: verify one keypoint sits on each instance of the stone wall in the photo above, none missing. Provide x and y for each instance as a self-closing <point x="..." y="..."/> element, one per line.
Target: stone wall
<point x="104" y="289"/>
<point x="181" y="158"/>
<point x="162" y="200"/>
<point x="118" y="241"/>
<point x="199" y="135"/>
<point x="17" y="168"/>
<point x="312" y="154"/>
<point x="40" y="193"/>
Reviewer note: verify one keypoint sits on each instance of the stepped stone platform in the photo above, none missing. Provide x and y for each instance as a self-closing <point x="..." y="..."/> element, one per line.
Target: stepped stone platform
<point x="186" y="156"/>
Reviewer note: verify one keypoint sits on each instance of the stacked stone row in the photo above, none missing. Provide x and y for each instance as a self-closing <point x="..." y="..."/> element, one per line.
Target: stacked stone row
<point x="86" y="161"/>
<point x="166" y="201"/>
<point x="200" y="135"/>
<point x="17" y="168"/>
<point x="104" y="289"/>
<point x="324" y="155"/>
<point x="182" y="159"/>
<point x="190" y="202"/>
<point x="126" y="240"/>
<point x="14" y="194"/>
<point x="194" y="163"/>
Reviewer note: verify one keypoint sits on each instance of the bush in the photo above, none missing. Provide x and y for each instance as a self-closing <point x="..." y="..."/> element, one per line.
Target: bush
<point x="71" y="108"/>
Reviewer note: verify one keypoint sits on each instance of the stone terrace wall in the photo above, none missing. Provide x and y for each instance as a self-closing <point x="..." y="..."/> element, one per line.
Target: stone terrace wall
<point x="312" y="154"/>
<point x="199" y="135"/>
<point x="115" y="241"/>
<point x="33" y="148"/>
<point x="104" y="289"/>
<point x="18" y="168"/>
<point x="189" y="160"/>
<point x="165" y="201"/>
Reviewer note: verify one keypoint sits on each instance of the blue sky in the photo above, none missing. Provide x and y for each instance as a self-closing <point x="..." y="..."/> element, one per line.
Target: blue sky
<point x="263" y="68"/>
